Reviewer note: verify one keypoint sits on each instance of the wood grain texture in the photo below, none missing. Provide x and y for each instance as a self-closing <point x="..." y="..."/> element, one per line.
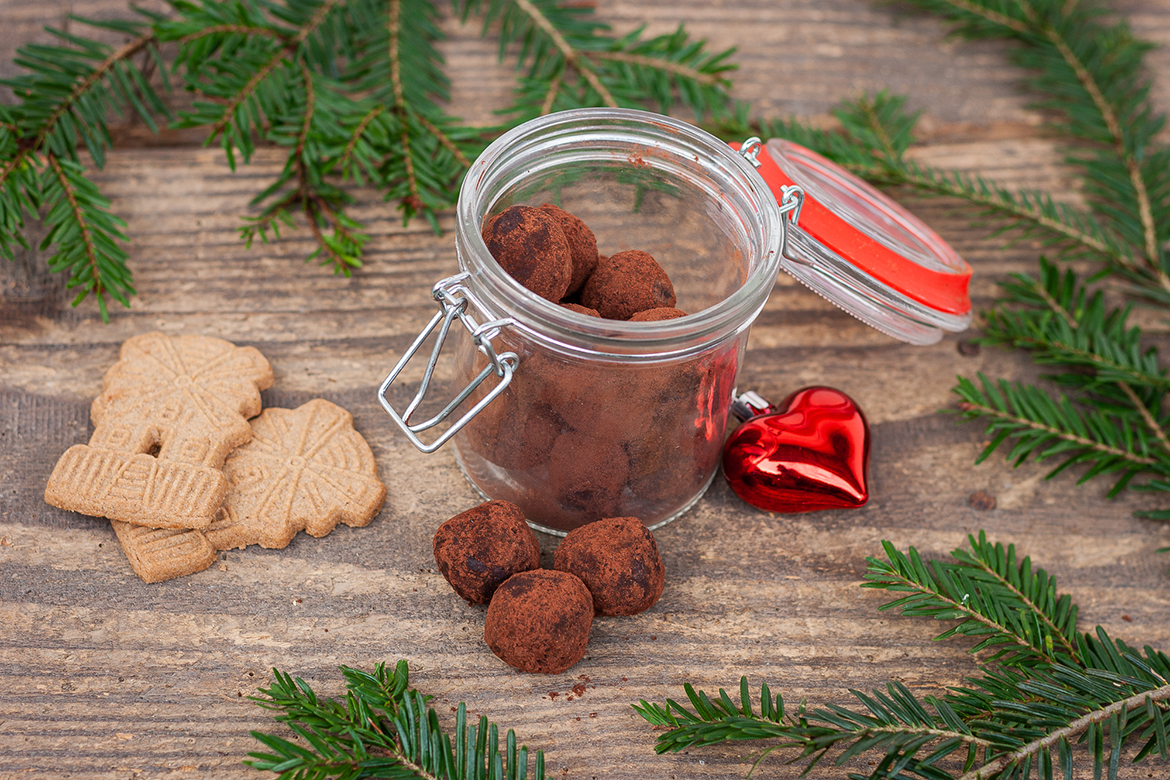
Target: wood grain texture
<point x="103" y="676"/>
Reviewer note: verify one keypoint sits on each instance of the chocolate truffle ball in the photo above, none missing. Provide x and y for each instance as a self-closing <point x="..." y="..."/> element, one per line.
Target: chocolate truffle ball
<point x="618" y="561"/>
<point x="587" y="478"/>
<point x="539" y="621"/>
<point x="479" y="549"/>
<point x="582" y="245"/>
<point x="532" y="248"/>
<point x="627" y="283"/>
<point x="655" y="315"/>
<point x="581" y="309"/>
<point x="515" y="431"/>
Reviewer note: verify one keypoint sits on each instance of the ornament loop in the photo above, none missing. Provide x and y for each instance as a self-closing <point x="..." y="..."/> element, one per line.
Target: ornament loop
<point x="749" y="404"/>
<point x="453" y="299"/>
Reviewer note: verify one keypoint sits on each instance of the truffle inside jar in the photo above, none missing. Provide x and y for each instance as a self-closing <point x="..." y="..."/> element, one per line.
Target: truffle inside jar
<point x="626" y="283"/>
<point x="658" y="315"/>
<point x="582" y="245"/>
<point x="529" y="244"/>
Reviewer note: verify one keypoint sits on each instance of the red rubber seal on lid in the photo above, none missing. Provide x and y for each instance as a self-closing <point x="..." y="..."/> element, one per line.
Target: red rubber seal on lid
<point x="943" y="288"/>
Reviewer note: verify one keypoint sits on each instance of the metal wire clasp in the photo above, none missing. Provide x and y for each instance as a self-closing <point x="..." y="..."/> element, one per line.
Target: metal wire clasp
<point x="453" y="299"/>
<point x="791" y="195"/>
<point x="791" y="201"/>
<point x="750" y="150"/>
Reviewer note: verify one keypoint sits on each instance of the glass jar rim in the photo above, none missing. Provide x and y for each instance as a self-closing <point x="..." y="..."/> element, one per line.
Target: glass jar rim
<point x="570" y="331"/>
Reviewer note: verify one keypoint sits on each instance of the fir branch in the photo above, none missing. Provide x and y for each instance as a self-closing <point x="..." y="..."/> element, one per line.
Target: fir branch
<point x="65" y="101"/>
<point x="1012" y="718"/>
<point x="83" y="87"/>
<point x="554" y="86"/>
<point x="38" y="124"/>
<point x="1035" y="591"/>
<point x="694" y="74"/>
<point x="1147" y="418"/>
<point x="568" y="52"/>
<point x="382" y="728"/>
<point x="1059" y="221"/>
<point x="937" y="592"/>
<point x="237" y="29"/>
<point x="352" y="89"/>
<point x="1083" y="332"/>
<point x="1120" y="384"/>
<point x="1095" y="91"/>
<point x="248" y="82"/>
<point x="1047" y="427"/>
<point x="394" y="22"/>
<point x="86" y="235"/>
<point x="569" y="61"/>
<point x="1073" y="729"/>
<point x="356" y="135"/>
<point x="93" y="270"/>
<point x="1040" y="625"/>
<point x="446" y="141"/>
<point x="1092" y="75"/>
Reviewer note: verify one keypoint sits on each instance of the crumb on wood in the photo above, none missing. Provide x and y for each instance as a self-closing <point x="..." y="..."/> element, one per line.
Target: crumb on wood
<point x="981" y="501"/>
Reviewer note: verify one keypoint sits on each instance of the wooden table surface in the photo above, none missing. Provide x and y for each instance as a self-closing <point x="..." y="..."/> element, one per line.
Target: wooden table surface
<point x="102" y="675"/>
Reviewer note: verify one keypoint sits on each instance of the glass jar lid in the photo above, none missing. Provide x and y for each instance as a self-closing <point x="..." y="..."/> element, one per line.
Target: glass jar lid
<point x="859" y="249"/>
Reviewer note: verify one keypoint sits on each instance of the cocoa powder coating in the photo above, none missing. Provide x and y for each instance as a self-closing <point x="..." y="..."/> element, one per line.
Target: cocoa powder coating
<point x="539" y="621"/>
<point x="588" y="478"/>
<point x="530" y="245"/>
<point x="617" y="559"/>
<point x="582" y="245"/>
<point x="479" y="549"/>
<point x="656" y="315"/>
<point x="627" y="283"/>
<point x="581" y="309"/>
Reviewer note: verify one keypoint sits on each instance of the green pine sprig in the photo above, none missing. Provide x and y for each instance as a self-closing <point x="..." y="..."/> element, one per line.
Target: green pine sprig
<point x="1114" y="422"/>
<point x="1043" y="698"/>
<point x="1091" y="76"/>
<point x="352" y="91"/>
<point x="71" y="90"/>
<point x="382" y="728"/>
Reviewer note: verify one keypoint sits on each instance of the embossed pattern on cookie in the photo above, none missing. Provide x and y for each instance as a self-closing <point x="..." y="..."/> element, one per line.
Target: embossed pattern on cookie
<point x="304" y="469"/>
<point x="158" y="554"/>
<point x="170" y="411"/>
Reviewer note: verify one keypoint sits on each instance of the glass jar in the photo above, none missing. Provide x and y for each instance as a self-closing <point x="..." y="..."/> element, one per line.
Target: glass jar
<point x="589" y="418"/>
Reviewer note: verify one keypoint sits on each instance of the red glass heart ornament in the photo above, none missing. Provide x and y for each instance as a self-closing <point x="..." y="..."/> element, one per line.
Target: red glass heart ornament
<point x="810" y="452"/>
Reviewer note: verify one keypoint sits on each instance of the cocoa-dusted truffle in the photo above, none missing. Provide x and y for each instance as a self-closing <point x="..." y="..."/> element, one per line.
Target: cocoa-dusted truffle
<point x="627" y="283"/>
<point x="539" y="621"/>
<point x="655" y="315"/>
<point x="532" y="248"/>
<point x="587" y="478"/>
<point x="479" y="549"/>
<point x="582" y="245"/>
<point x="617" y="559"/>
<point x="515" y="431"/>
<point x="581" y="309"/>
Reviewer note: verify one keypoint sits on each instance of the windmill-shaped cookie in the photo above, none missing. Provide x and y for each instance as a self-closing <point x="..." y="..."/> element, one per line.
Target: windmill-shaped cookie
<point x="304" y="469"/>
<point x="170" y="411"/>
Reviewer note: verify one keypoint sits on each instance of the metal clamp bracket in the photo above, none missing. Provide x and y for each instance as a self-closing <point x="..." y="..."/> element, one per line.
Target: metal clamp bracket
<point x="750" y="150"/>
<point x="453" y="299"/>
<point x="791" y="201"/>
<point x="791" y="195"/>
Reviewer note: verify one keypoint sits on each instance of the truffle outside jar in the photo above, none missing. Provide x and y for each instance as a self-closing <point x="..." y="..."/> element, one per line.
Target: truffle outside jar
<point x="605" y="418"/>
